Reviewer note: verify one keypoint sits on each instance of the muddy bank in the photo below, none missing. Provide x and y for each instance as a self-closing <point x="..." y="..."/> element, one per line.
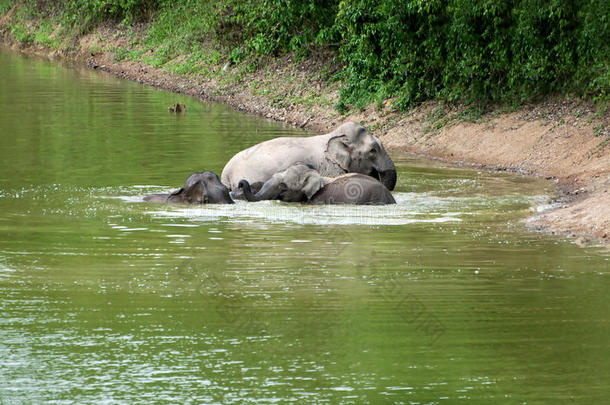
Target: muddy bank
<point x="559" y="139"/>
<point x="554" y="140"/>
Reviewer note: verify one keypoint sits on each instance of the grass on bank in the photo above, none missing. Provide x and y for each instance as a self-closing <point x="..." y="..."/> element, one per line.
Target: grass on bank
<point x="474" y="53"/>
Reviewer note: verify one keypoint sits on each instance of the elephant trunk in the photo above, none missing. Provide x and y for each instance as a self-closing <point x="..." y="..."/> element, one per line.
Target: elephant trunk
<point x="270" y="190"/>
<point x="219" y="195"/>
<point x="245" y="186"/>
<point x="388" y="178"/>
<point x="387" y="171"/>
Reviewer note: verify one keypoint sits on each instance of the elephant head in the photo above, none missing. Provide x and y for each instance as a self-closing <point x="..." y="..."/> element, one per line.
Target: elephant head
<point x="199" y="188"/>
<point x="350" y="148"/>
<point x="193" y="194"/>
<point x="353" y="148"/>
<point x="302" y="183"/>
<point x="215" y="191"/>
<point x="298" y="183"/>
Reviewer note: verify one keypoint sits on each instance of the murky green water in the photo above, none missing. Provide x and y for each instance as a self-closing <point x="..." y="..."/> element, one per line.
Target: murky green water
<point x="444" y="298"/>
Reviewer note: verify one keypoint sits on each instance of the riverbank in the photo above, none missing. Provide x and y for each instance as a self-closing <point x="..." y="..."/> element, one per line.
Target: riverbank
<point x="564" y="140"/>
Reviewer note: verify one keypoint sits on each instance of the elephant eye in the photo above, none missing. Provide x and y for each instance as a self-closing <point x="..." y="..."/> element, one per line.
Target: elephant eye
<point x="373" y="150"/>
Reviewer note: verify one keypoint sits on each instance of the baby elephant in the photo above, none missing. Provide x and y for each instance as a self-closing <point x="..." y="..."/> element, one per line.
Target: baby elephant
<point x="302" y="183"/>
<point x="199" y="188"/>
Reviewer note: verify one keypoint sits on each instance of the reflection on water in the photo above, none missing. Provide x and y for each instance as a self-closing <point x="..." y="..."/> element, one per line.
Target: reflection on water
<point x="440" y="298"/>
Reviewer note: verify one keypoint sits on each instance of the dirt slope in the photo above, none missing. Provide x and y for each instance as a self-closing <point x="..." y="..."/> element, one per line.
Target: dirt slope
<point x="563" y="147"/>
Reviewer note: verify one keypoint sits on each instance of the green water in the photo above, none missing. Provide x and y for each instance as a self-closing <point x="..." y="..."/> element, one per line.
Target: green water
<point x="443" y="298"/>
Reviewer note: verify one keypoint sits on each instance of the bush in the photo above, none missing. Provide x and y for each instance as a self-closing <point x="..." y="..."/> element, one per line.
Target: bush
<point x="475" y="51"/>
<point x="99" y="10"/>
<point x="273" y="26"/>
<point x="472" y="51"/>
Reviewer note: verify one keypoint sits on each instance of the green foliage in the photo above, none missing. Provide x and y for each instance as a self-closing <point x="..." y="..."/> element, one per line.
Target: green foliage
<point x="43" y="35"/>
<point x="274" y="26"/>
<point x="6" y="5"/>
<point x="179" y="28"/>
<point x="470" y="51"/>
<point x="120" y="54"/>
<point x="99" y="10"/>
<point x="480" y="51"/>
<point x="21" y="34"/>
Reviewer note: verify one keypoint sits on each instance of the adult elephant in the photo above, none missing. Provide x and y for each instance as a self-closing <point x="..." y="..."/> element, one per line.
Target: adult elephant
<point x="301" y="183"/>
<point x="199" y="188"/>
<point x="350" y="148"/>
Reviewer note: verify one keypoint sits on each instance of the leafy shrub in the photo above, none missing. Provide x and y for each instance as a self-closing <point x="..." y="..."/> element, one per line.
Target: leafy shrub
<point x="5" y="5"/>
<point x="21" y="34"/>
<point x="272" y="26"/>
<point x="477" y="51"/>
<point x="473" y="51"/>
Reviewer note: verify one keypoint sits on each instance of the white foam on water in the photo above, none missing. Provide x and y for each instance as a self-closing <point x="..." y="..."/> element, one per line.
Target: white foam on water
<point x="410" y="208"/>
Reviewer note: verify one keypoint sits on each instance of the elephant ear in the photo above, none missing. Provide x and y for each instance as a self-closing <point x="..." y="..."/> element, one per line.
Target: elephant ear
<point x="339" y="151"/>
<point x="313" y="182"/>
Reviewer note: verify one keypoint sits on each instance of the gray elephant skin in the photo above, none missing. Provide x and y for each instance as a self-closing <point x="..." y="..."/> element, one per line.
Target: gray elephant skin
<point x="301" y="183"/>
<point x="350" y="148"/>
<point x="199" y="188"/>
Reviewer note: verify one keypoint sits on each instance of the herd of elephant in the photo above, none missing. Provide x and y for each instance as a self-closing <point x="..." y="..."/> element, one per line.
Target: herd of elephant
<point x="347" y="166"/>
